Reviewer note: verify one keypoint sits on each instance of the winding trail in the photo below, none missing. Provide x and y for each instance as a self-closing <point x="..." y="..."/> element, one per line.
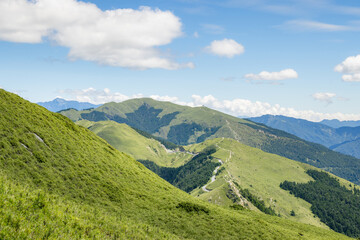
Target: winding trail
<point x="213" y="178"/>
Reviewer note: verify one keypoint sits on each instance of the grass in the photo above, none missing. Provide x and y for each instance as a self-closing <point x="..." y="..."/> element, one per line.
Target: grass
<point x="125" y="139"/>
<point x="71" y="166"/>
<point x="261" y="173"/>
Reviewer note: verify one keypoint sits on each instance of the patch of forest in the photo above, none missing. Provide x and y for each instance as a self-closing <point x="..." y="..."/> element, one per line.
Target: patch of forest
<point x="193" y="174"/>
<point x="335" y="205"/>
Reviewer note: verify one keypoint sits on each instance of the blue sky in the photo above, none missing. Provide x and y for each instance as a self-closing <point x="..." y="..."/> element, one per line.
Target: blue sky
<point x="295" y="58"/>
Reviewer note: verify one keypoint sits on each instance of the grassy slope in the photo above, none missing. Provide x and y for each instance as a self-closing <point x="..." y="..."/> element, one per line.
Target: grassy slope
<point x="46" y="151"/>
<point x="247" y="132"/>
<point x="34" y="214"/>
<point x="125" y="139"/>
<point x="261" y="173"/>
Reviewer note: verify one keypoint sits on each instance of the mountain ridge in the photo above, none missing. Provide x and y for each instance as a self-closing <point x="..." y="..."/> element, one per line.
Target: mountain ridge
<point x="186" y="125"/>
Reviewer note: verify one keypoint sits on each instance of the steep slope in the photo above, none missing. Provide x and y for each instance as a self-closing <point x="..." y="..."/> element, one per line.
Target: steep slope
<point x="186" y="125"/>
<point x="126" y="139"/>
<point x="46" y="151"/>
<point x="59" y="104"/>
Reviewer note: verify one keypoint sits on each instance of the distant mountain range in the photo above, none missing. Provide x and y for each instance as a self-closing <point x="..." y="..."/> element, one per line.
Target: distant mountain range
<point x="337" y="124"/>
<point x="343" y="139"/>
<point x="59" y="104"/>
<point x="184" y="125"/>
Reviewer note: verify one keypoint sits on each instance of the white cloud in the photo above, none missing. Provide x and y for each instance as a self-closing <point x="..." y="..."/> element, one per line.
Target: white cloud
<point x="235" y="107"/>
<point x="273" y="76"/>
<point x="196" y="35"/>
<point x="351" y="77"/>
<point x="306" y="25"/>
<point x="225" y="48"/>
<point x="95" y="96"/>
<point x="244" y="107"/>
<point x="350" y="67"/>
<point x="324" y="97"/>
<point x="120" y="37"/>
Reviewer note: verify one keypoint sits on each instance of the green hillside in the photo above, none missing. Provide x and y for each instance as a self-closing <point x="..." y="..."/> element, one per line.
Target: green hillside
<point x="261" y="174"/>
<point x="186" y="125"/>
<point x="71" y="166"/>
<point x="125" y="139"/>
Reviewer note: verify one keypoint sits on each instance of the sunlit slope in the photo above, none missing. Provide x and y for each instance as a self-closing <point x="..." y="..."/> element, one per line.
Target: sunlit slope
<point x="126" y="139"/>
<point x="187" y="125"/>
<point x="261" y="173"/>
<point x="26" y="213"/>
<point x="46" y="151"/>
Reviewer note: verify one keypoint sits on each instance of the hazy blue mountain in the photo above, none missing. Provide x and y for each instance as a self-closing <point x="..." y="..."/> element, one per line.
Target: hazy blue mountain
<point x="337" y="124"/>
<point x="310" y="131"/>
<point x="351" y="148"/>
<point x="59" y="104"/>
<point x="343" y="139"/>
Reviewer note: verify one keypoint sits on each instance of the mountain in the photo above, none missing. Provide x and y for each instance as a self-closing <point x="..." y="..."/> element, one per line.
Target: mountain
<point x="184" y="125"/>
<point x="61" y="181"/>
<point x="315" y="132"/>
<point x="350" y="147"/>
<point x="337" y="124"/>
<point x="309" y="131"/>
<point x="59" y="104"/>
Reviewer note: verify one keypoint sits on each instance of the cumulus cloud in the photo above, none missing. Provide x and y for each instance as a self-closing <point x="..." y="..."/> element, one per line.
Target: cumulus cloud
<point x="350" y="68"/>
<point x="272" y="76"/>
<point x="225" y="48"/>
<point x="235" y="107"/>
<point x="351" y="77"/>
<point x="324" y="97"/>
<point x="120" y="37"/>
<point x="244" y="107"/>
<point x="95" y="96"/>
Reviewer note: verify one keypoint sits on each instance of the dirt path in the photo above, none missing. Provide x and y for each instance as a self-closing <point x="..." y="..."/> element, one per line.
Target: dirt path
<point x="213" y="178"/>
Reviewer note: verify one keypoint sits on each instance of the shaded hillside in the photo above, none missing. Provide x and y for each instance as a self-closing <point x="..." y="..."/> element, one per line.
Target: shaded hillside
<point x="49" y="153"/>
<point x="187" y="125"/>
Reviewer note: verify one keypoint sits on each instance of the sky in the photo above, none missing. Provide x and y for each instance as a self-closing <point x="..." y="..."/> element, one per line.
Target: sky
<point x="299" y="58"/>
